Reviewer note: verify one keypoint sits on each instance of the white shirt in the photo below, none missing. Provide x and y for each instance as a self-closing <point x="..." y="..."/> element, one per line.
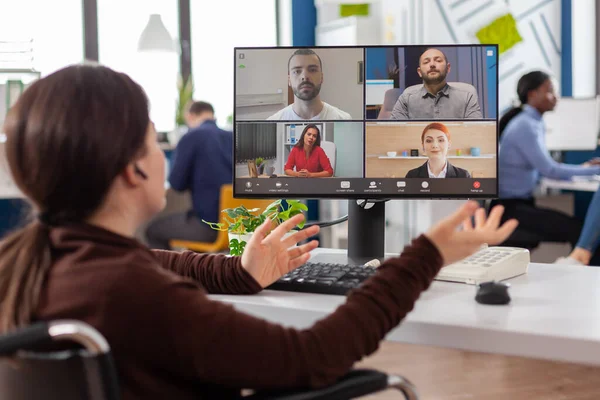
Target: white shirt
<point x="328" y="112"/>
<point x="442" y="172"/>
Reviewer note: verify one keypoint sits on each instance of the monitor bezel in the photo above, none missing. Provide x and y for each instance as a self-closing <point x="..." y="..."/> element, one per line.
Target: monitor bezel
<point x="364" y="121"/>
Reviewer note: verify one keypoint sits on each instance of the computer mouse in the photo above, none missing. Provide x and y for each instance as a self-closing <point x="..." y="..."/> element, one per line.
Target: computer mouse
<point x="273" y="175"/>
<point x="493" y="293"/>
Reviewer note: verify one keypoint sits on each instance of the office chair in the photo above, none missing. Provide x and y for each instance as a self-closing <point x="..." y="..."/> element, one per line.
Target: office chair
<point x="330" y="150"/>
<point x="221" y="243"/>
<point x="91" y="373"/>
<point x="389" y="101"/>
<point x="65" y="375"/>
<point x="519" y="237"/>
<point x="356" y="383"/>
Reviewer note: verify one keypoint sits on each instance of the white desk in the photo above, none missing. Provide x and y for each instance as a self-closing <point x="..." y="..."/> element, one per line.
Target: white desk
<point x="584" y="186"/>
<point x="554" y="315"/>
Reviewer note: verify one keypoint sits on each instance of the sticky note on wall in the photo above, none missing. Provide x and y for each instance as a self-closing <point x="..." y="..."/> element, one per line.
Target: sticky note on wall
<point x="348" y="10"/>
<point x="503" y="31"/>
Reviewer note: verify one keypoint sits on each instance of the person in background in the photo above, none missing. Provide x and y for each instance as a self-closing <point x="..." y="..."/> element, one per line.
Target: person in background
<point x="524" y="158"/>
<point x="435" y="140"/>
<point x="589" y="239"/>
<point x="436" y="99"/>
<point x="88" y="127"/>
<point x="202" y="163"/>
<point x="307" y="159"/>
<point x="305" y="77"/>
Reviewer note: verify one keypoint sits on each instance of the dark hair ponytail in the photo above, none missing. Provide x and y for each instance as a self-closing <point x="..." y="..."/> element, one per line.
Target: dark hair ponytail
<point x="26" y="259"/>
<point x="507" y="117"/>
<point x="69" y="135"/>
<point x="527" y="82"/>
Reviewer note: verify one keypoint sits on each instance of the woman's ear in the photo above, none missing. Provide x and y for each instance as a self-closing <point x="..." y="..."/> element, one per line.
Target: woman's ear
<point x="131" y="177"/>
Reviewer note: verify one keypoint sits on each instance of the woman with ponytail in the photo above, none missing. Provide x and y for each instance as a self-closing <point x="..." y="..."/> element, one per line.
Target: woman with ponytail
<point x="82" y="149"/>
<point x="524" y="158"/>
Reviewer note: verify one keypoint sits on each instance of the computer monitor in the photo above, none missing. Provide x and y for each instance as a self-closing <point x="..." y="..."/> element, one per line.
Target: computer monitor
<point x="574" y="124"/>
<point x="366" y="122"/>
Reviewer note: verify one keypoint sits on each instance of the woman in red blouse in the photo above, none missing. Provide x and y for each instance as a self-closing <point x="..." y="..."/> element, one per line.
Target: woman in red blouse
<point x="307" y="159"/>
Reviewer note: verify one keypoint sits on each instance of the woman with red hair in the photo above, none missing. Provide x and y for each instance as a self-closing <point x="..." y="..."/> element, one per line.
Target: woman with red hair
<point x="436" y="142"/>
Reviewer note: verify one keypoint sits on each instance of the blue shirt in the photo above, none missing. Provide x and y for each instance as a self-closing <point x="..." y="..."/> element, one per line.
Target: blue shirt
<point x="523" y="157"/>
<point x="202" y="163"/>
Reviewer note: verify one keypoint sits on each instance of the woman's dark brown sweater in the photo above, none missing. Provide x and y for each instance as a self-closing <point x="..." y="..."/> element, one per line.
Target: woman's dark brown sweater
<point x="170" y="341"/>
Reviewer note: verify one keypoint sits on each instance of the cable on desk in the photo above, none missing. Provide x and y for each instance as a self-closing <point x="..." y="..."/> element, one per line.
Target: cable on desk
<point x="328" y="223"/>
<point x="363" y="203"/>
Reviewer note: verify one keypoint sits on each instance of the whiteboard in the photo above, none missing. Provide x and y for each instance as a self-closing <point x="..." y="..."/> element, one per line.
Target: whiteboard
<point x="573" y="125"/>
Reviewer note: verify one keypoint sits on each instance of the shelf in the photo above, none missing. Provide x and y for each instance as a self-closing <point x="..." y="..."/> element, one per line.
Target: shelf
<point x="401" y="157"/>
<point x="481" y="156"/>
<point x="19" y="71"/>
<point x="257" y="100"/>
<point x="485" y="156"/>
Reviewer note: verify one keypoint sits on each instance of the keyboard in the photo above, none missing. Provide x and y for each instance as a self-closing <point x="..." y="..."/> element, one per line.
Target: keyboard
<point x="324" y="278"/>
<point x="491" y="263"/>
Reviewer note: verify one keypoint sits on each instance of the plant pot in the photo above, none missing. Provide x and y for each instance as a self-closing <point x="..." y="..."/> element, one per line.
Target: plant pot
<point x="246" y="236"/>
<point x="261" y="169"/>
<point x="240" y="237"/>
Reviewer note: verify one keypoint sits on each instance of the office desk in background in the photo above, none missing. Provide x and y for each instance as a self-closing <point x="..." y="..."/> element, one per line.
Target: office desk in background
<point x="553" y="315"/>
<point x="577" y="185"/>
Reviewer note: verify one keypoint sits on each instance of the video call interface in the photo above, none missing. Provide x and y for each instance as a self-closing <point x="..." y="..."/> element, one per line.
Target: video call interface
<point x="366" y="122"/>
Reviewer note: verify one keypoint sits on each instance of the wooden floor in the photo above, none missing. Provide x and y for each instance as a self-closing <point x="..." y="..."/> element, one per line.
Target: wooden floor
<point x="456" y="375"/>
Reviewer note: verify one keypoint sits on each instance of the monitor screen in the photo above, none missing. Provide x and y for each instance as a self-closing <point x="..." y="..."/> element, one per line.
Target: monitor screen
<point x="366" y="122"/>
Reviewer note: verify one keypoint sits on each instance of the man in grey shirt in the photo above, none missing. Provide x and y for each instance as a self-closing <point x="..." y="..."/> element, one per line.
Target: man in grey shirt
<point x="436" y="99"/>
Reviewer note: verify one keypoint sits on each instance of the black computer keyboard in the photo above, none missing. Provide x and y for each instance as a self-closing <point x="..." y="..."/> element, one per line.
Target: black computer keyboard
<point x="324" y="278"/>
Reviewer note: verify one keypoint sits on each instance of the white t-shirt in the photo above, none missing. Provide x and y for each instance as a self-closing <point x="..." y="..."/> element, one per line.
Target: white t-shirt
<point x="328" y="112"/>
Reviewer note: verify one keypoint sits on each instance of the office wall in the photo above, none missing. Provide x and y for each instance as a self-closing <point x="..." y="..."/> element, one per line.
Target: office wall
<point x="348" y="139"/>
<point x="340" y="80"/>
<point x="260" y="77"/>
<point x="217" y="27"/>
<point x="538" y="24"/>
<point x="583" y="37"/>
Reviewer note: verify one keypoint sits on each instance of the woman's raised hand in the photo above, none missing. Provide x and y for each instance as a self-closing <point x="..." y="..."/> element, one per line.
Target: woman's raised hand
<point x="454" y="244"/>
<point x="268" y="255"/>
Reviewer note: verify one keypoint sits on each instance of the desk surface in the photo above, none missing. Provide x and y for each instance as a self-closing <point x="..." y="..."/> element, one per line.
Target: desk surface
<point x="584" y="186"/>
<point x="554" y="314"/>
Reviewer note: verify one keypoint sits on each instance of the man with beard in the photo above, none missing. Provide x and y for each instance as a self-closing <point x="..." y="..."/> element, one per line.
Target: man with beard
<point x="305" y="77"/>
<point x="436" y="99"/>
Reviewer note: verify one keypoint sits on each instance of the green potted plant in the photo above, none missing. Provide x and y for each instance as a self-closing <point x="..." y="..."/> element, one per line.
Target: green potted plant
<point x="260" y="165"/>
<point x="185" y="91"/>
<point x="241" y="222"/>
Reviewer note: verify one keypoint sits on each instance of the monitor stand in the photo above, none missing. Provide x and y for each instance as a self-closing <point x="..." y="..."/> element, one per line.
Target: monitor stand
<point x="366" y="235"/>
